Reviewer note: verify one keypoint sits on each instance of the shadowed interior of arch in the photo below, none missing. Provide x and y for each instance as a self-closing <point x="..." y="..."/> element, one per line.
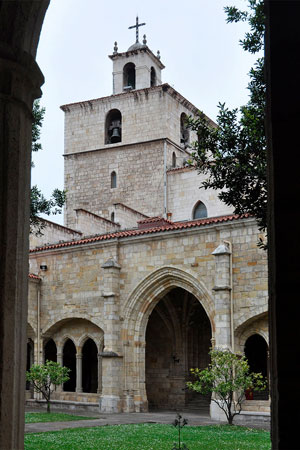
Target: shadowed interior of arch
<point x="89" y="366"/>
<point x="69" y="360"/>
<point x="256" y="352"/>
<point x="50" y="351"/>
<point x="178" y="337"/>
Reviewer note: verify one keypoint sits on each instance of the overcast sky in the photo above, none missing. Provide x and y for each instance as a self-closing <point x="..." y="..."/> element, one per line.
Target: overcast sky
<point x="201" y="52"/>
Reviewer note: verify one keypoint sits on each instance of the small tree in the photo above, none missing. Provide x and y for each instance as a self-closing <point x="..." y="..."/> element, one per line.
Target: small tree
<point x="45" y="378"/>
<point x="39" y="204"/>
<point x="228" y="373"/>
<point x="233" y="155"/>
<point x="179" y="423"/>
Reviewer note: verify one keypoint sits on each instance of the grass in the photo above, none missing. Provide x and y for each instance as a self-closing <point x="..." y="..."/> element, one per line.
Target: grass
<point x="150" y="437"/>
<point x="36" y="417"/>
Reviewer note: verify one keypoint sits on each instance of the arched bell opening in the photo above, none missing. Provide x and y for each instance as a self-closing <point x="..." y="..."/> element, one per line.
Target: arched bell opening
<point x="129" y="76"/>
<point x="113" y="127"/>
<point x="89" y="367"/>
<point x="178" y="338"/>
<point x="50" y="351"/>
<point x="69" y="360"/>
<point x="256" y="352"/>
<point x="153" y="78"/>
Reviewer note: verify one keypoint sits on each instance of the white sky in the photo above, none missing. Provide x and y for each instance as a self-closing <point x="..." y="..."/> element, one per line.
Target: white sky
<point x="201" y="52"/>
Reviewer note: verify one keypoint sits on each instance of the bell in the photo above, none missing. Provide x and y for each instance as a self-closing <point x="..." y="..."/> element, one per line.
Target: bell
<point x="115" y="136"/>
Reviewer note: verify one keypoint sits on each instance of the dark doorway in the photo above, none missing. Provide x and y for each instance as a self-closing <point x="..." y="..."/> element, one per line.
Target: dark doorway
<point x="89" y="366"/>
<point x="50" y="351"/>
<point x="178" y="337"/>
<point x="69" y="360"/>
<point x="256" y="352"/>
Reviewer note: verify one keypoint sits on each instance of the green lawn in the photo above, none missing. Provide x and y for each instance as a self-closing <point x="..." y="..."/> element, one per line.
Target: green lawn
<point x="150" y="437"/>
<point x="52" y="417"/>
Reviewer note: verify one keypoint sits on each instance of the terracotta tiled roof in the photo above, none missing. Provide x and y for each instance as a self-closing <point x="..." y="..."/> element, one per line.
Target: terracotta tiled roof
<point x="181" y="169"/>
<point x="139" y="232"/>
<point x="32" y="276"/>
<point x="152" y="222"/>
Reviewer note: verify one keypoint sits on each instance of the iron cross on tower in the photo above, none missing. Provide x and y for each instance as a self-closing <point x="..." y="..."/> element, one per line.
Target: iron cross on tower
<point x="137" y="25"/>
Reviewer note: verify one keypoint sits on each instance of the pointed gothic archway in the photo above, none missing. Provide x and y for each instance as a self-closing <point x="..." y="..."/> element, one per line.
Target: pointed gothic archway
<point x="139" y="306"/>
<point x="89" y="366"/>
<point x="178" y="337"/>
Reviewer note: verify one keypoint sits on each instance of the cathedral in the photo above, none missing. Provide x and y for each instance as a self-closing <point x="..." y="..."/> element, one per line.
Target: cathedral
<point x="149" y="271"/>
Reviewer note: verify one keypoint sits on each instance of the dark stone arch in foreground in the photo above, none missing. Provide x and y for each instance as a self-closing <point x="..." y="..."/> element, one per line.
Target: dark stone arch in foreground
<point x="20" y="81"/>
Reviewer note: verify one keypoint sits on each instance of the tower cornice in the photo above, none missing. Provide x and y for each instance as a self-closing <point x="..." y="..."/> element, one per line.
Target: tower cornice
<point x="143" y="49"/>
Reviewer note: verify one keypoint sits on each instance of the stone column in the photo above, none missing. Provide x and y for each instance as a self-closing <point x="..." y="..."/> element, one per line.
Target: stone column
<point x="222" y="297"/>
<point x="78" y="370"/>
<point x="20" y="81"/>
<point x="222" y="292"/>
<point x="110" y="401"/>
<point x="59" y="359"/>
<point x="99" y="389"/>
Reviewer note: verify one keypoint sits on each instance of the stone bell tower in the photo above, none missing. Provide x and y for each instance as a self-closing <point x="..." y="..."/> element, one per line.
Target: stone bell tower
<point x="119" y="148"/>
<point x="137" y="68"/>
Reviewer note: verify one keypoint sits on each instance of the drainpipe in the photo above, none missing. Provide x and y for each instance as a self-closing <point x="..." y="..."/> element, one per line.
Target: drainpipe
<point x="231" y="296"/>
<point x="165" y="179"/>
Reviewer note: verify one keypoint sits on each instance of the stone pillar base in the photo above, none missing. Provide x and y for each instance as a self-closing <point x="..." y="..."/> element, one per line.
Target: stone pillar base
<point x="110" y="404"/>
<point x="217" y="413"/>
<point x="128" y="402"/>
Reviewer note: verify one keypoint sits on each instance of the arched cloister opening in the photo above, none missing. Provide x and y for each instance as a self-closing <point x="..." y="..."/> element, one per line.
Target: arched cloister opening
<point x="256" y="352"/>
<point x="153" y="81"/>
<point x="89" y="366"/>
<point x="137" y="310"/>
<point x="178" y="337"/>
<point x="50" y="351"/>
<point x="29" y="358"/>
<point x="69" y="360"/>
<point x="113" y="127"/>
<point x="184" y="131"/>
<point x="199" y="211"/>
<point x="129" y="76"/>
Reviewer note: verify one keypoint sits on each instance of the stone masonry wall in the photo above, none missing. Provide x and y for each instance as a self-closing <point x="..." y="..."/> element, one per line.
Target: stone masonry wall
<point x="184" y="192"/>
<point x="74" y="284"/>
<point x="53" y="232"/>
<point x="74" y="280"/>
<point x="139" y="170"/>
<point x="126" y="217"/>
<point x="147" y="114"/>
<point x="90" y="224"/>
